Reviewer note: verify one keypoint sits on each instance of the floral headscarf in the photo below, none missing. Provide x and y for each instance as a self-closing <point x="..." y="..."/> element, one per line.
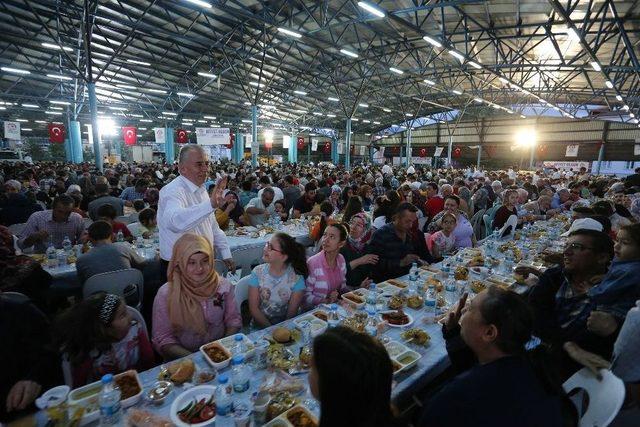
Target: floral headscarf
<point x="635" y="207"/>
<point x="358" y="244"/>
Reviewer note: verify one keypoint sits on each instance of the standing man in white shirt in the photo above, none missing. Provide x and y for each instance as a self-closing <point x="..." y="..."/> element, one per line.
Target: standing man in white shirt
<point x="186" y="207"/>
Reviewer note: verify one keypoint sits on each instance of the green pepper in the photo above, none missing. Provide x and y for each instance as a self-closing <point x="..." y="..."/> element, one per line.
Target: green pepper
<point x="186" y="408"/>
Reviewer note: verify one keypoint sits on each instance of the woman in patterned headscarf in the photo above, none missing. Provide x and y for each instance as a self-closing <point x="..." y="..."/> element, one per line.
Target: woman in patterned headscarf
<point x="196" y="305"/>
<point x="359" y="264"/>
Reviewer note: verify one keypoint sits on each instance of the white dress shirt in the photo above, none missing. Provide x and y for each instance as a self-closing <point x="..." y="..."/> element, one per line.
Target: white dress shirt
<point x="277" y="193"/>
<point x="184" y="207"/>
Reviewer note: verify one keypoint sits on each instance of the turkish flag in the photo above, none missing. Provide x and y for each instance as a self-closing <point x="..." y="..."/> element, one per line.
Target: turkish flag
<point x="183" y="138"/>
<point x="300" y="143"/>
<point x="232" y="137"/>
<point x="56" y="133"/>
<point x="457" y="152"/>
<point x="327" y="147"/>
<point x="130" y="135"/>
<point x="423" y="152"/>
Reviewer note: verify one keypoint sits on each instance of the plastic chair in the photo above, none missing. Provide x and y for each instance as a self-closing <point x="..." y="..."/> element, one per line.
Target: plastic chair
<point x="16" y="297"/>
<point x="246" y="258"/>
<point x="488" y="217"/>
<point x="241" y="292"/>
<point x="606" y="396"/>
<point x="221" y="267"/>
<point x="512" y="222"/>
<point x="115" y="282"/>
<point x="476" y="224"/>
<point x="422" y="222"/>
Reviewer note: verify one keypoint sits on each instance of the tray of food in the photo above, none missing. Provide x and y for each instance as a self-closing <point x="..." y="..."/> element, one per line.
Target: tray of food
<point x="461" y="273"/>
<point x="477" y="286"/>
<point x="355" y="298"/>
<point x="229" y="344"/>
<point x="397" y="283"/>
<point x="321" y="314"/>
<point x="318" y="326"/>
<point x="178" y="372"/>
<point x="397" y="302"/>
<point x="435" y="282"/>
<point x="83" y="401"/>
<point x="298" y="416"/>
<point x="397" y="318"/>
<point x="499" y="280"/>
<point x="216" y="354"/>
<point x="194" y="407"/>
<point x="387" y="288"/>
<point x="402" y="357"/>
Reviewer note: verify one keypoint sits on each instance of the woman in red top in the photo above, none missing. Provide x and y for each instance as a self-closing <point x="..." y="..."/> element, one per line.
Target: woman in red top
<point x="510" y="198"/>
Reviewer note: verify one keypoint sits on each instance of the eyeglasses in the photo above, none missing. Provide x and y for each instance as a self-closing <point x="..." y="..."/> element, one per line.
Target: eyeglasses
<point x="269" y="246"/>
<point x="577" y="247"/>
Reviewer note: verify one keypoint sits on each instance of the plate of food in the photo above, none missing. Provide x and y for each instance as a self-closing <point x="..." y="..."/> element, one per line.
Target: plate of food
<point x="416" y="336"/>
<point x="415" y="301"/>
<point x="318" y="326"/>
<point x="432" y="281"/>
<point x="477" y="260"/>
<point x="229" y="343"/>
<point x="178" y="372"/>
<point x="353" y="298"/>
<point x="477" y="286"/>
<point x="397" y="302"/>
<point x="397" y="318"/>
<point x="282" y="335"/>
<point x="194" y="407"/>
<point x="397" y="283"/>
<point x="216" y="355"/>
<point x="461" y="273"/>
<point x="298" y="416"/>
<point x="479" y="270"/>
<point x="322" y="315"/>
<point x="387" y="288"/>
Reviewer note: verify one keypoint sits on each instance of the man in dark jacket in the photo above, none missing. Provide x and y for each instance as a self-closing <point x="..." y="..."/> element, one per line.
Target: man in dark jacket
<point x="17" y="208"/>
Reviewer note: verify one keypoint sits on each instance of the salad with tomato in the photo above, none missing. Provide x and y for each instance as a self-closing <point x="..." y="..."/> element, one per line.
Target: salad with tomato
<point x="198" y="411"/>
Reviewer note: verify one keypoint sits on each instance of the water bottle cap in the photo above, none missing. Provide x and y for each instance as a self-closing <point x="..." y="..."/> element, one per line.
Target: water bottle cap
<point x="237" y="338"/>
<point x="371" y="312"/>
<point x="237" y="359"/>
<point x="334" y="306"/>
<point x="223" y="379"/>
<point x="106" y="379"/>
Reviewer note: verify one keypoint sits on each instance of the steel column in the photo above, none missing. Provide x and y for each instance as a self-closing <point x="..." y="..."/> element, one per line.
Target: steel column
<point x="255" y="147"/>
<point x="407" y="150"/>
<point x="479" y="156"/>
<point x="169" y="151"/>
<point x="347" y="143"/>
<point x="75" y="142"/>
<point x="93" y="109"/>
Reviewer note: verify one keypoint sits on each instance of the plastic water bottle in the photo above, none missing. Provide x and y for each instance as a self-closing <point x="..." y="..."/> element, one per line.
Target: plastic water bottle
<point x="109" y="401"/>
<point x="332" y="317"/>
<point x="430" y="304"/>
<point x="239" y="346"/>
<point x="66" y="245"/>
<point x="222" y="396"/>
<point x="372" y="323"/>
<point x="139" y="242"/>
<point x="413" y="277"/>
<point x="372" y="297"/>
<point x="62" y="257"/>
<point x="450" y="294"/>
<point x="240" y="374"/>
<point x="120" y="236"/>
<point x="52" y="256"/>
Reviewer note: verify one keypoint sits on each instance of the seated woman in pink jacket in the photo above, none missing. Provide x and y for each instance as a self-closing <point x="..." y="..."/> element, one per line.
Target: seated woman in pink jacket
<point x="196" y="305"/>
<point x="327" y="269"/>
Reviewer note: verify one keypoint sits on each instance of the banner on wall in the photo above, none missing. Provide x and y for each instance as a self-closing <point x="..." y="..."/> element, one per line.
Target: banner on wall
<point x="286" y="140"/>
<point x="363" y="150"/>
<point x="636" y="150"/>
<point x="397" y="161"/>
<point x="248" y="139"/>
<point x="212" y="136"/>
<point x="565" y="165"/>
<point x="314" y="144"/>
<point x="12" y="130"/>
<point x="340" y="148"/>
<point x="160" y="135"/>
<point x="572" y="150"/>
<point x="438" y="152"/>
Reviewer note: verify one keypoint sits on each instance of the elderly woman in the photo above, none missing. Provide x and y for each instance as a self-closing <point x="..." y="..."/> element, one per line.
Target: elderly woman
<point x="466" y="204"/>
<point x="463" y="232"/>
<point x="539" y="209"/>
<point x="196" y="305"/>
<point x="230" y="210"/>
<point x="359" y="264"/>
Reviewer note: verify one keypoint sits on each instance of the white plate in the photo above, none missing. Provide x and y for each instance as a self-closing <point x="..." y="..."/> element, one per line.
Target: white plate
<point x="198" y="392"/>
<point x="397" y="326"/>
<point x="479" y="270"/>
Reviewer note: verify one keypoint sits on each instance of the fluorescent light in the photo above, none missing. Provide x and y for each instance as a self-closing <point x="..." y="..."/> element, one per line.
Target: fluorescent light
<point x="364" y="105"/>
<point x="396" y="70"/>
<point x="142" y="128"/>
<point x="300" y="92"/>
<point x="22" y="120"/>
<point x="348" y="53"/>
<point x="478" y="100"/>
<point x="366" y="121"/>
<point x="156" y="90"/>
<point x="256" y="84"/>
<point x="210" y="117"/>
<point x="331" y="115"/>
<point x="632" y="115"/>
<point x="188" y="95"/>
<point x="133" y="61"/>
<point x="429" y="82"/>
<point x="126" y="87"/>
<point x="59" y="77"/>
<point x="56" y="47"/>
<point x="118" y="108"/>
<point x="208" y="75"/>
<point x="60" y="102"/>
<point x="457" y="55"/>
<point x="200" y="3"/>
<point x="3" y="108"/>
<point x="246" y="121"/>
<point x="457" y="92"/>
<point x="315" y="113"/>
<point x="146" y="120"/>
<point x="169" y="113"/>
<point x="609" y="84"/>
<point x="333" y="99"/>
<point x="432" y="41"/>
<point x="386" y="110"/>
<point x="503" y="80"/>
<point x="496" y="106"/>
<point x="509" y="111"/>
<point x="26" y="129"/>
<point x="522" y="116"/>
<point x="371" y="9"/>
<point x="376" y="123"/>
<point x="596" y="66"/>
<point x="14" y="70"/>
<point x="201" y="121"/>
<point x="635" y="120"/>
<point x="354" y="119"/>
<point x="246" y="103"/>
<point x="475" y="65"/>
<point x="408" y="114"/>
<point x="55" y="113"/>
<point x="289" y="32"/>
<point x="58" y="108"/>
<point x="136" y="115"/>
<point x="618" y="97"/>
<point x="625" y="107"/>
<point x="30" y="105"/>
<point x="41" y="121"/>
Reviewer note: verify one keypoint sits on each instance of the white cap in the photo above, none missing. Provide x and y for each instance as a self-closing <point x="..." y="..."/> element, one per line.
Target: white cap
<point x="583" y="224"/>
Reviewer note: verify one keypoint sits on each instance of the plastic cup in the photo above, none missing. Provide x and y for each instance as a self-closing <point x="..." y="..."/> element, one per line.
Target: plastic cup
<point x="241" y="415"/>
<point x="260" y="405"/>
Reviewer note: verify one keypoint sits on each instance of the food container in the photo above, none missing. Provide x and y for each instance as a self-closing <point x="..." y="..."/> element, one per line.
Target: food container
<point x="408" y="359"/>
<point x="229" y="344"/>
<point x="408" y="323"/>
<point x="54" y="396"/>
<point x="183" y="399"/>
<point x="317" y="326"/>
<point x="402" y="357"/>
<point x="284" y="419"/>
<point x="86" y="397"/>
<point x="159" y="392"/>
<point x="387" y="288"/>
<point x="216" y="344"/>
<point x="354" y="298"/>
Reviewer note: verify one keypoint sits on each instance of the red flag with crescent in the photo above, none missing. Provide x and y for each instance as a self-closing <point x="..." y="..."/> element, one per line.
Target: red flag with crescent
<point x="457" y="152"/>
<point x="327" y="147"/>
<point x="423" y="152"/>
<point x="183" y="137"/>
<point x="56" y="133"/>
<point x="232" y="138"/>
<point x="300" y="143"/>
<point x="130" y="135"/>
